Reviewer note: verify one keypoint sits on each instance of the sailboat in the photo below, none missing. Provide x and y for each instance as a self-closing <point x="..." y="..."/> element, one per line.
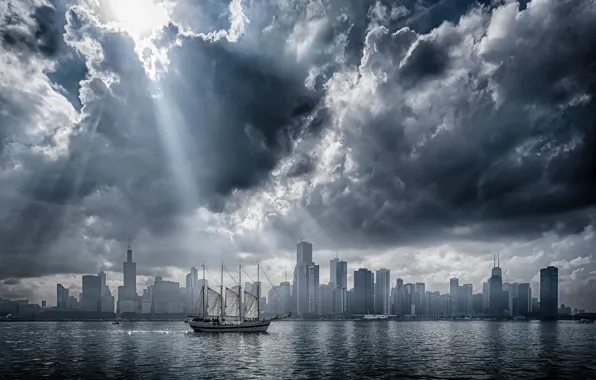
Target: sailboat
<point x="225" y="311"/>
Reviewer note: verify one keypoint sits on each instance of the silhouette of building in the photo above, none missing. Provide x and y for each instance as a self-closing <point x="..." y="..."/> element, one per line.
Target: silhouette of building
<point x="495" y="287"/>
<point x="363" y="292"/>
<point x="61" y="297"/>
<point x="301" y="281"/>
<point x="383" y="292"/>
<point x="549" y="292"/>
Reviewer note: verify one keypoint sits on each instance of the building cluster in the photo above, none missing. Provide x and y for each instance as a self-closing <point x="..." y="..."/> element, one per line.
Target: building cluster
<point x="306" y="297"/>
<point x="374" y="293"/>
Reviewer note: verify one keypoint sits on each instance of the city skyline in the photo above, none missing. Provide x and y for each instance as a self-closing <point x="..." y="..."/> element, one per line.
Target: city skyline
<point x="337" y="278"/>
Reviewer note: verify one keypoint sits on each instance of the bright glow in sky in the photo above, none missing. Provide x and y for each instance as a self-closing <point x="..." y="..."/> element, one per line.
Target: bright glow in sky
<point x="138" y="17"/>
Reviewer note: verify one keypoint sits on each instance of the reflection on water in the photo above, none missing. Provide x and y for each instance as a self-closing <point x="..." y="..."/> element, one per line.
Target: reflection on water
<point x="300" y="350"/>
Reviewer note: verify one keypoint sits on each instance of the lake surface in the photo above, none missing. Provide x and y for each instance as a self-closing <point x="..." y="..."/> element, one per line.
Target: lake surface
<point x="300" y="350"/>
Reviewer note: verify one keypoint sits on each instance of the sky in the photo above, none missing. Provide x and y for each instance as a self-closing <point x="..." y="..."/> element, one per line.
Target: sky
<point x="420" y="136"/>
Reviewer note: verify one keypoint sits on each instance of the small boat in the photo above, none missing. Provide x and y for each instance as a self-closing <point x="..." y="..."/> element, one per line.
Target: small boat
<point x="583" y="320"/>
<point x="374" y="317"/>
<point x="115" y="323"/>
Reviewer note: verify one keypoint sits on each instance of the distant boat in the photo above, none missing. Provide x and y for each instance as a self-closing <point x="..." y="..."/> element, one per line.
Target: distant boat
<point x="227" y="312"/>
<point x="372" y="317"/>
<point x="583" y="320"/>
<point x="115" y="323"/>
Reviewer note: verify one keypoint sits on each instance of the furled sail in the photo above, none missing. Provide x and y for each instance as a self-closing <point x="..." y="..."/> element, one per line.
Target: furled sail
<point x="213" y="303"/>
<point x="251" y="304"/>
<point x="232" y="303"/>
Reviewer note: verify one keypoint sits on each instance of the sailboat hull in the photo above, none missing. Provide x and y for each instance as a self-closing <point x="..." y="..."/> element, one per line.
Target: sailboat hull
<point x="244" y="327"/>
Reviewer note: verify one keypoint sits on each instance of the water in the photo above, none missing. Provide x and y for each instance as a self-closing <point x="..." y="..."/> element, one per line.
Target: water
<point x="300" y="350"/>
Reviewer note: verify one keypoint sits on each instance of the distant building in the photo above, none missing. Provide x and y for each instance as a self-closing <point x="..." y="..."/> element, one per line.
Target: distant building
<point x="130" y="277"/>
<point x="301" y="281"/>
<point x="485" y="297"/>
<point x="43" y="304"/>
<point x="465" y="295"/>
<point x="166" y="297"/>
<point x="523" y="305"/>
<point x="313" y="288"/>
<point x="399" y="298"/>
<point x="383" y="292"/>
<point x="61" y="297"/>
<point x="495" y="284"/>
<point x="549" y="292"/>
<point x="91" y="293"/>
<point x="364" y="282"/>
<point x="279" y="298"/>
<point x="326" y="299"/>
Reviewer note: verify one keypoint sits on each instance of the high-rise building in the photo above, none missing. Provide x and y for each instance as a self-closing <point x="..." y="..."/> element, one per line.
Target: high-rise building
<point x="130" y="277"/>
<point x="279" y="298"/>
<point x="485" y="297"/>
<point x="338" y="275"/>
<point x="466" y="293"/>
<point x="166" y="297"/>
<point x="301" y="282"/>
<point x="383" y="292"/>
<point x="333" y="264"/>
<point x="313" y="288"/>
<point x="549" y="292"/>
<point x="103" y="283"/>
<point x="61" y="297"/>
<point x="192" y="289"/>
<point x="363" y="292"/>
<point x="497" y="304"/>
<point x="453" y="286"/>
<point x="326" y="299"/>
<point x="420" y="298"/>
<point x="342" y="275"/>
<point x="524" y="299"/>
<point x="91" y="293"/>
<point x="399" y="298"/>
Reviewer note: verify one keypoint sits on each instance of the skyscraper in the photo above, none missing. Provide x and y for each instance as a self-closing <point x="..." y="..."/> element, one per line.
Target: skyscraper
<point x="61" y="297"/>
<point x="454" y="287"/>
<point x="399" y="298"/>
<point x="130" y="277"/>
<point x="549" y="292"/>
<point x="333" y="264"/>
<point x="313" y="288"/>
<point x="301" y="271"/>
<point x="524" y="299"/>
<point x="383" y="292"/>
<point x="342" y="275"/>
<point x="466" y="292"/>
<point x="91" y="293"/>
<point x="192" y="288"/>
<point x="363" y="291"/>
<point x="497" y="304"/>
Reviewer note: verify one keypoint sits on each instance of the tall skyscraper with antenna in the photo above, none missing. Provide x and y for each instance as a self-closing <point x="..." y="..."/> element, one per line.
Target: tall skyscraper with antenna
<point x="130" y="275"/>
<point x="495" y="283"/>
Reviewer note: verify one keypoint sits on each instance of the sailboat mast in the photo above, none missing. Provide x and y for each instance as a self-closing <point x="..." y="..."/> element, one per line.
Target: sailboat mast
<point x="258" y="291"/>
<point x="239" y="292"/>
<point x="222" y="294"/>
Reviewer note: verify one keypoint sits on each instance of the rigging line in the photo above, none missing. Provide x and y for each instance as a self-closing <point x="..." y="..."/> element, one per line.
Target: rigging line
<point x="272" y="286"/>
<point x="247" y="275"/>
<point x="233" y="279"/>
<point x="214" y="279"/>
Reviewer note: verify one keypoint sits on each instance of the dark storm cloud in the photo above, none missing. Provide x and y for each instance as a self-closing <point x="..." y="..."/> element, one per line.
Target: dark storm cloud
<point x="515" y="166"/>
